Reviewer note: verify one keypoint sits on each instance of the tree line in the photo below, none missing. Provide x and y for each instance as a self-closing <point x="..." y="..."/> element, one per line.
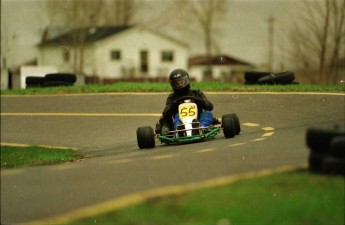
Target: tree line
<point x="315" y="45"/>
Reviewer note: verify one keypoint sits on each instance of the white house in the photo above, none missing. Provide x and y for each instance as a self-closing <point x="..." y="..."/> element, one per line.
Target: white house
<point x="116" y="52"/>
<point x="218" y="67"/>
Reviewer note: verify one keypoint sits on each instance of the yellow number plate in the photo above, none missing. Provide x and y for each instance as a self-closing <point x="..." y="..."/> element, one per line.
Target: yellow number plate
<point x="187" y="110"/>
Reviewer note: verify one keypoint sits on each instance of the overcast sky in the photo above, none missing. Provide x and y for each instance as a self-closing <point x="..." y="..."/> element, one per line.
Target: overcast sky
<point x="245" y="34"/>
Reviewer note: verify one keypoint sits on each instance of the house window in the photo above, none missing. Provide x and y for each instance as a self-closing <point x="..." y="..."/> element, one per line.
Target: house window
<point x="66" y="55"/>
<point x="167" y="56"/>
<point x="115" y="55"/>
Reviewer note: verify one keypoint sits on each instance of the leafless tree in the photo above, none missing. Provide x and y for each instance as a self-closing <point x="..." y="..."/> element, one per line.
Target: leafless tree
<point x="121" y="12"/>
<point x="78" y="15"/>
<point x="317" y="40"/>
<point x="208" y="13"/>
<point x="202" y="18"/>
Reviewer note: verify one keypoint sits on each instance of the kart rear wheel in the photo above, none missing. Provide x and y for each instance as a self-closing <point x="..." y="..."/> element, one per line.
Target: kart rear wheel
<point x="228" y="124"/>
<point x="237" y="122"/>
<point x="145" y="137"/>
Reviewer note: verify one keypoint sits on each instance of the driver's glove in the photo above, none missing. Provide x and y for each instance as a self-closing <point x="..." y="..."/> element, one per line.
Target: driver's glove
<point x="200" y="102"/>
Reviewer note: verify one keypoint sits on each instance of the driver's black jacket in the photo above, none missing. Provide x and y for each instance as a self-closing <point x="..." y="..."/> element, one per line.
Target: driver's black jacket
<point x="171" y="107"/>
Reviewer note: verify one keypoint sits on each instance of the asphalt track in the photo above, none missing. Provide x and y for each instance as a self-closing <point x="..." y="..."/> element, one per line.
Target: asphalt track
<point x="103" y="128"/>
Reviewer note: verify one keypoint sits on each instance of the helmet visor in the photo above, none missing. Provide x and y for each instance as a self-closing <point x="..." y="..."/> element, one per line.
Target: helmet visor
<point x="179" y="83"/>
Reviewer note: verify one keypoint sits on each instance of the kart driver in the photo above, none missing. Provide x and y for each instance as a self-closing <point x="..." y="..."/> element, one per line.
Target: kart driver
<point x="179" y="81"/>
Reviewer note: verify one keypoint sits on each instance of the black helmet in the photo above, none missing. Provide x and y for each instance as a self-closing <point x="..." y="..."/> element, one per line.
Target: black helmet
<point x="179" y="81"/>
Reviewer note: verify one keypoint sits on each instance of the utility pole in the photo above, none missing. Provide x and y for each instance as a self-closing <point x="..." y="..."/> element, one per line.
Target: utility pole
<point x="271" y="21"/>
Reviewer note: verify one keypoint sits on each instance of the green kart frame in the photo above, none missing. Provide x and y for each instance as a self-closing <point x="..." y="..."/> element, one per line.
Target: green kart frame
<point x="174" y="138"/>
<point x="230" y="125"/>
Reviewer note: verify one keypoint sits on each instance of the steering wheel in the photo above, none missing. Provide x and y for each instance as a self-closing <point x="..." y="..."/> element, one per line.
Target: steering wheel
<point x="196" y="100"/>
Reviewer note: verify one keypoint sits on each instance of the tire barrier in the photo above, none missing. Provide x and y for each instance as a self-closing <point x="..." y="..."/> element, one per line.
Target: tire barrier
<point x="51" y="80"/>
<point x="327" y="150"/>
<point x="32" y="81"/>
<point x="269" y="78"/>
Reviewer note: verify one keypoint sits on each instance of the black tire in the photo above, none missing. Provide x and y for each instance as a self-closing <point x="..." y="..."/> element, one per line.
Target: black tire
<point x="246" y="82"/>
<point x="145" y="137"/>
<point x="334" y="165"/>
<point x="34" y="81"/>
<point x="63" y="77"/>
<point x="285" y="77"/>
<point x="57" y="84"/>
<point x="252" y="77"/>
<point x="228" y="125"/>
<point x="337" y="147"/>
<point x="236" y="122"/>
<point x="315" y="162"/>
<point x="319" y="140"/>
<point x="33" y="86"/>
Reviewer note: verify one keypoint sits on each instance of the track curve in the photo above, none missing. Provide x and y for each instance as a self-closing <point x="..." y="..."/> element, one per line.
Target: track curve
<point x="103" y="128"/>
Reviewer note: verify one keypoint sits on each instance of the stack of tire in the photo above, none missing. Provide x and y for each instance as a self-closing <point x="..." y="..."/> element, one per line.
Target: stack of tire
<point x="270" y="78"/>
<point x="327" y="150"/>
<point x="51" y="80"/>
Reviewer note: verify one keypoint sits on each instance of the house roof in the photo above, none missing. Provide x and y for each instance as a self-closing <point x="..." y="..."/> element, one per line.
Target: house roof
<point x="91" y="34"/>
<point x="216" y="60"/>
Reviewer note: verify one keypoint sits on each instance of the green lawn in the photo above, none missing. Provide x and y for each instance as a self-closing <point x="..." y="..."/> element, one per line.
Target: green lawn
<point x="164" y="87"/>
<point x="15" y="157"/>
<point x="286" y="198"/>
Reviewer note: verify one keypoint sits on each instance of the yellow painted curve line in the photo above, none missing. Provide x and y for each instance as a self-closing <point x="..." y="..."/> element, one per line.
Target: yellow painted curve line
<point x="140" y="197"/>
<point x="80" y="114"/>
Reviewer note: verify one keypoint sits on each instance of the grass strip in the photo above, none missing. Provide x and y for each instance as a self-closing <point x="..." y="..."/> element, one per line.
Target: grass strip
<point x="17" y="157"/>
<point x="286" y="198"/>
<point x="165" y="87"/>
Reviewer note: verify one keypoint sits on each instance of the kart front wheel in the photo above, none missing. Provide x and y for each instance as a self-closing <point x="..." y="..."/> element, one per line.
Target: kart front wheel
<point x="228" y="124"/>
<point x="145" y="137"/>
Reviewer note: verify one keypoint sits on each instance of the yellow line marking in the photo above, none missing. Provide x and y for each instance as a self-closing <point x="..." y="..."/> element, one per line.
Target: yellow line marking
<point x="268" y="128"/>
<point x="140" y="197"/>
<point x="28" y="145"/>
<point x="259" y="139"/>
<point x="82" y="114"/>
<point x="205" y="150"/>
<point x="11" y="172"/>
<point x="251" y="124"/>
<point x="236" y="144"/>
<point x="118" y="161"/>
<point x="268" y="134"/>
<point x="65" y="167"/>
<point x="162" y="157"/>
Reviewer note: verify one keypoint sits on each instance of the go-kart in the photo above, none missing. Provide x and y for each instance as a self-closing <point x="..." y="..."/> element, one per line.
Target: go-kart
<point x="190" y="130"/>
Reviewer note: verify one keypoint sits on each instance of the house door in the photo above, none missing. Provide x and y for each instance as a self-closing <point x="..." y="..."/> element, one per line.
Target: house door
<point x="144" y="64"/>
